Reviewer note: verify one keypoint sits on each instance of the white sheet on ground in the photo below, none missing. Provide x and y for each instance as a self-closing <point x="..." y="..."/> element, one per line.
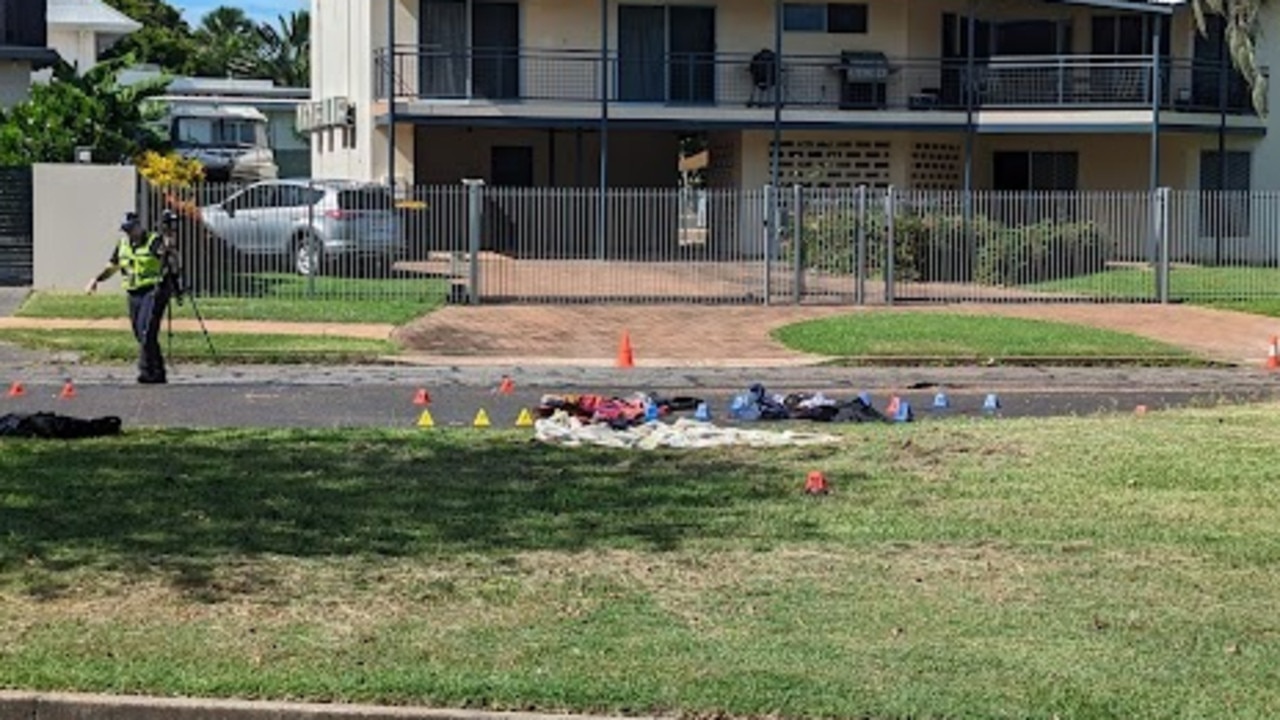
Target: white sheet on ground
<point x="562" y="429"/>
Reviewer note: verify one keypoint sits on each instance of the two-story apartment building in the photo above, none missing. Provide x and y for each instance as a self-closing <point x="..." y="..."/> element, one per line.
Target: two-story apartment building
<point x="931" y="94"/>
<point x="23" y="47"/>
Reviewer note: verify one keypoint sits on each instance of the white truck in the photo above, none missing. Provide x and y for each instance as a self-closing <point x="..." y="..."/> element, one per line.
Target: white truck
<point x="230" y="141"/>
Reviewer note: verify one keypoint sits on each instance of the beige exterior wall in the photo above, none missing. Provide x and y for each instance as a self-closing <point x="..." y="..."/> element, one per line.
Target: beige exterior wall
<point x="1107" y="162"/>
<point x="15" y="83"/>
<point x="71" y="247"/>
<point x="637" y="159"/>
<point x="897" y="28"/>
<point x="1266" y="160"/>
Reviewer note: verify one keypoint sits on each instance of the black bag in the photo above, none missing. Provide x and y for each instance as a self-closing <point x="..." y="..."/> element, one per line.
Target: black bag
<point x="52" y="426"/>
<point x="858" y="411"/>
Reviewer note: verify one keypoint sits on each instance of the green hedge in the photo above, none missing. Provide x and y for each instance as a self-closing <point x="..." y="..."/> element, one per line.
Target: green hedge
<point x="1042" y="252"/>
<point x="939" y="248"/>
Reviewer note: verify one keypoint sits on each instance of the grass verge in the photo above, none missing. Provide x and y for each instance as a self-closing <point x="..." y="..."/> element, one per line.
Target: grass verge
<point x="119" y="346"/>
<point x="943" y="338"/>
<point x="1201" y="285"/>
<point x="282" y="298"/>
<point x="1088" y="567"/>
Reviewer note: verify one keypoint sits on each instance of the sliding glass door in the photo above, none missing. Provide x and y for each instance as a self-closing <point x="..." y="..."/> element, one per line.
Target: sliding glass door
<point x="470" y="48"/>
<point x="666" y="54"/>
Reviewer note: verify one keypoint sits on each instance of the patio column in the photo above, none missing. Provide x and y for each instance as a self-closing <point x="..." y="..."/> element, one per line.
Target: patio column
<point x="391" y="93"/>
<point x="603" y="208"/>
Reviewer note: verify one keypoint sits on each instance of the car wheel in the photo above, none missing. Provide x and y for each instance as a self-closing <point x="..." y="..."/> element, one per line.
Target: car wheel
<point x="307" y="256"/>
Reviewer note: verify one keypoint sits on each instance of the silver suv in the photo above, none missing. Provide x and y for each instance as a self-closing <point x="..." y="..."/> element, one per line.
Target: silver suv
<point x="309" y="222"/>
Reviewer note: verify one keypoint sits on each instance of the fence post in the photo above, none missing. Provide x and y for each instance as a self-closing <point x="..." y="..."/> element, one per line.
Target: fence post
<point x="1162" y="233"/>
<point x="860" y="261"/>
<point x="890" y="230"/>
<point x="771" y="228"/>
<point x="311" y="243"/>
<point x="475" y="219"/>
<point x="797" y="238"/>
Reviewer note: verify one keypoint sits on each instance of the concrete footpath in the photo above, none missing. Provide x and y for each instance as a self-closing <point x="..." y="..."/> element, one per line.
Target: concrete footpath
<point x="67" y="706"/>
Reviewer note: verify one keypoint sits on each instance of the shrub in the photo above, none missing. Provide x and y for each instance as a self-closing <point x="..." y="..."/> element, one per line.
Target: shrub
<point x="927" y="247"/>
<point x="170" y="169"/>
<point x="1042" y="252"/>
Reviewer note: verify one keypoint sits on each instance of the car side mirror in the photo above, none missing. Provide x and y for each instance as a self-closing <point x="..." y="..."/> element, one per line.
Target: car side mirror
<point x="229" y="209"/>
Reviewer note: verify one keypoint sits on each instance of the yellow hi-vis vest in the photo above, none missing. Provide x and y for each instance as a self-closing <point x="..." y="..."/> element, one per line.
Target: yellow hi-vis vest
<point x="142" y="266"/>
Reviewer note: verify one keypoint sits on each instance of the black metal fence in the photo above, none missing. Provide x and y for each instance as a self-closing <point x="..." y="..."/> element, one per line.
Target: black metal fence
<point x="17" y="227"/>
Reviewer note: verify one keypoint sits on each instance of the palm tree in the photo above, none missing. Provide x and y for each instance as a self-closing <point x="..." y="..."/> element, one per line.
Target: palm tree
<point x="230" y="43"/>
<point x="285" y="50"/>
<point x="1241" y="25"/>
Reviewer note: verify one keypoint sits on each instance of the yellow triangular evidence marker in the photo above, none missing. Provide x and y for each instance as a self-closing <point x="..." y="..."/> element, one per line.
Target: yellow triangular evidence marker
<point x="482" y="419"/>
<point x="525" y="419"/>
<point x="425" y="421"/>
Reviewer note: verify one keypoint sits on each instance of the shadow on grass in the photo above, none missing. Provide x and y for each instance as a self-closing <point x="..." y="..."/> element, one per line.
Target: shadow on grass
<point x="181" y="501"/>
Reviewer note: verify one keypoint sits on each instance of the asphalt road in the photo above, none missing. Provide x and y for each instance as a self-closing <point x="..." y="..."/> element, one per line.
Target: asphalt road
<point x="363" y="397"/>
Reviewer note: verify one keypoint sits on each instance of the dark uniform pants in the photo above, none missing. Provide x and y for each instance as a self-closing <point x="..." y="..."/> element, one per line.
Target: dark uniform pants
<point x="146" y="313"/>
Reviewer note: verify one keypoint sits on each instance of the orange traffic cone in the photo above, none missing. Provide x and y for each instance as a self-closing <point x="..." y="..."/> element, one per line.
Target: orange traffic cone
<point x="507" y="386"/>
<point x="1273" y="354"/>
<point x="68" y="391"/>
<point x="816" y="484"/>
<point x="16" y="390"/>
<point x="626" y="358"/>
<point x="422" y="397"/>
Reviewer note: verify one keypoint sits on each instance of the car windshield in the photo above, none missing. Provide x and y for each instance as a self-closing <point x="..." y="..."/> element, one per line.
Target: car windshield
<point x="211" y="132"/>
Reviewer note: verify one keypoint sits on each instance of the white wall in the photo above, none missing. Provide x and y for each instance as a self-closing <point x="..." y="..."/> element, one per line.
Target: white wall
<point x="71" y="247"/>
<point x="345" y="35"/>
<point x="342" y="65"/>
<point x="15" y="83"/>
<point x="79" y="48"/>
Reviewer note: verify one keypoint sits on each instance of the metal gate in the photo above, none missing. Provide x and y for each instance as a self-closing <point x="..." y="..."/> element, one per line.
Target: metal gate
<point x="16" y="226"/>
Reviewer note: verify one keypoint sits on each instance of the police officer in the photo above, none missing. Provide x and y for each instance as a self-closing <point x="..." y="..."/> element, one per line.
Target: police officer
<point x="143" y="257"/>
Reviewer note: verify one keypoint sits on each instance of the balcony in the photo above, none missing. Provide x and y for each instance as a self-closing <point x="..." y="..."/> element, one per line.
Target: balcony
<point x="848" y="81"/>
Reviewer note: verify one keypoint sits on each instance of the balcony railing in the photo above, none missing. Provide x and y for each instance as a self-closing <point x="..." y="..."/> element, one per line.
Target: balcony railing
<point x="847" y="81"/>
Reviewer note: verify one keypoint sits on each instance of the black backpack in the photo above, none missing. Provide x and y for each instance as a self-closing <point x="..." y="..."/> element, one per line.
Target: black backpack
<point x="51" y="426"/>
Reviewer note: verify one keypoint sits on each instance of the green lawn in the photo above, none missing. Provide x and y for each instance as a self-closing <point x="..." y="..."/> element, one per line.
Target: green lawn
<point x="1115" y="567"/>
<point x="1196" y="284"/>
<point x="280" y="297"/>
<point x="951" y="336"/>
<point x="119" y="346"/>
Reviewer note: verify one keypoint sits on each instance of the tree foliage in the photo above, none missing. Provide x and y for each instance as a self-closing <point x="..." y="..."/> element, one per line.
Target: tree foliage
<point x="164" y="40"/>
<point x="1241" y="26"/>
<point x="91" y="110"/>
<point x="226" y="43"/>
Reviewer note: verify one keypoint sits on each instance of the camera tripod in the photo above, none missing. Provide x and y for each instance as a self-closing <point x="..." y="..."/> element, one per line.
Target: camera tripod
<point x="180" y="293"/>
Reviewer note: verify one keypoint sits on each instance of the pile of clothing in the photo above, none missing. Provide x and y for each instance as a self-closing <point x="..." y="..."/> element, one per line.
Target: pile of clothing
<point x="616" y="412"/>
<point x="757" y="404"/>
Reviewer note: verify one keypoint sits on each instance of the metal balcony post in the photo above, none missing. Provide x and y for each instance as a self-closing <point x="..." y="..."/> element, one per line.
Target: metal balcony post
<point x="602" y="211"/>
<point x="1155" y="126"/>
<point x="391" y="94"/>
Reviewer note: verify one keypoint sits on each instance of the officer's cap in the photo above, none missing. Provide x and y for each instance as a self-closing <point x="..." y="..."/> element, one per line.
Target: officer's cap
<point x="130" y="222"/>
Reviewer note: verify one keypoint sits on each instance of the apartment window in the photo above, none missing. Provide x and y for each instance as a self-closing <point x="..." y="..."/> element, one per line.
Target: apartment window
<point x="835" y="18"/>
<point x="1024" y="171"/>
<point x="1225" y="182"/>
